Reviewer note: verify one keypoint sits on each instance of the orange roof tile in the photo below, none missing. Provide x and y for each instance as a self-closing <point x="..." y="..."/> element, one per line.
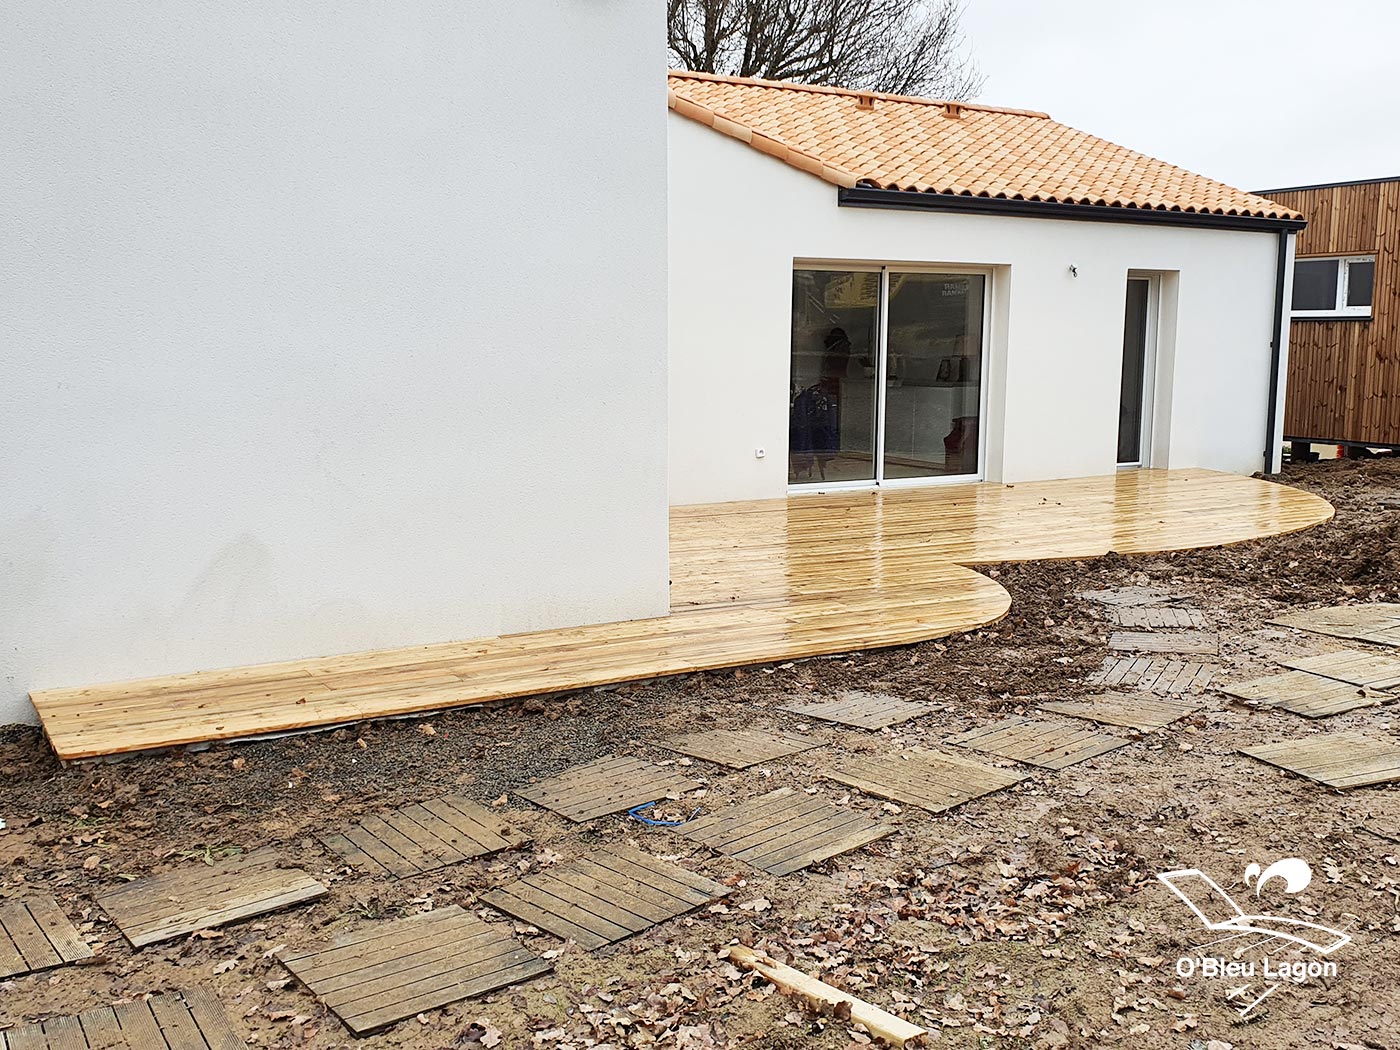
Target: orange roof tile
<point x="870" y="139"/>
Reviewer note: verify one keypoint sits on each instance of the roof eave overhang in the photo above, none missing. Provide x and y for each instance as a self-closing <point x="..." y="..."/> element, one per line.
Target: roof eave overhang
<point x="914" y="200"/>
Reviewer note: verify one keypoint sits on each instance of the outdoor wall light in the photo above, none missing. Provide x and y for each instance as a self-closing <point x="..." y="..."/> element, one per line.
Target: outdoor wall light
<point x="1073" y="270"/>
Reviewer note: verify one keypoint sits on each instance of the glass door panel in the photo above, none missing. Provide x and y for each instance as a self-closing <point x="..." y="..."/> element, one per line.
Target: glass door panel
<point x="832" y="395"/>
<point x="1133" y="396"/>
<point x="933" y="375"/>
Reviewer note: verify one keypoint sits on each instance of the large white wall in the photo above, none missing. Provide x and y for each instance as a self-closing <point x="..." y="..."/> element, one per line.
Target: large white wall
<point x="739" y="219"/>
<point x="325" y="325"/>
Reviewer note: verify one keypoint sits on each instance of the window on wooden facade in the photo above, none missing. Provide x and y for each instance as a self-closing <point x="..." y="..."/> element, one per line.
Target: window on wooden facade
<point x="1340" y="287"/>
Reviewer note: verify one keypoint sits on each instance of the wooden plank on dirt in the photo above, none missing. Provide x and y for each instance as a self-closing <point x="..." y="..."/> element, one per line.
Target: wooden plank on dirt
<point x="35" y="935"/>
<point x="184" y="1020"/>
<point x="1050" y="745"/>
<point x="1309" y="695"/>
<point x="1144" y="712"/>
<point x="423" y="836"/>
<point x="864" y="710"/>
<point x="375" y="977"/>
<point x="1154" y="676"/>
<point x="1159" y="618"/>
<point x="741" y="748"/>
<point x="1344" y="621"/>
<point x="881" y="1024"/>
<point x="927" y="779"/>
<point x="1339" y="760"/>
<point x="1129" y="596"/>
<point x="608" y="785"/>
<point x="1181" y="642"/>
<point x="612" y="893"/>
<point x="784" y="831"/>
<point x="199" y="896"/>
<point x="1351" y="665"/>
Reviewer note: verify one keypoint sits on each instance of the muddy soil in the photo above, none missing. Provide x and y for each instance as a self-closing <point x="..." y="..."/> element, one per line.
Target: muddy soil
<point x="1030" y="918"/>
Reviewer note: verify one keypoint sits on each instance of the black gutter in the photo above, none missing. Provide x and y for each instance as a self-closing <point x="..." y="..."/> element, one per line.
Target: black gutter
<point x="1276" y="345"/>
<point x="1328" y="186"/>
<point x="869" y="197"/>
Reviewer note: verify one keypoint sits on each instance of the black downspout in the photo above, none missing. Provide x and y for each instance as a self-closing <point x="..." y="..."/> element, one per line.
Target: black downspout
<point x="1277" y="346"/>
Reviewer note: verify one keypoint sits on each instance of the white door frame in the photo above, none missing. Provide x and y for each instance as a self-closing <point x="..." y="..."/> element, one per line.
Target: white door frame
<point x="882" y="368"/>
<point x="1147" y="409"/>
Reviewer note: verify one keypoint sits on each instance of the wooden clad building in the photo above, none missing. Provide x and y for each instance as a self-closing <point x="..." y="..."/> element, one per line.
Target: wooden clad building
<point x="1344" y="344"/>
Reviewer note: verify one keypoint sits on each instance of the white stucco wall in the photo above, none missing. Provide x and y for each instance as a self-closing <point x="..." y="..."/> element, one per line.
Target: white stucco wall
<point x="739" y="219"/>
<point x="325" y="326"/>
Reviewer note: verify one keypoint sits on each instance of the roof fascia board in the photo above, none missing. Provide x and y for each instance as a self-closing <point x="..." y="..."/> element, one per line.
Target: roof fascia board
<point x="913" y="200"/>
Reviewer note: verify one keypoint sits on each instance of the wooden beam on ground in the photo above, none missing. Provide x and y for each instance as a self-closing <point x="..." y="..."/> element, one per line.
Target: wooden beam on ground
<point x="881" y="1024"/>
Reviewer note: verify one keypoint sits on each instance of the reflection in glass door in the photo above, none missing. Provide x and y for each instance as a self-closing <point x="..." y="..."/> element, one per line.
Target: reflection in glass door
<point x="835" y="336"/>
<point x="933" y="385"/>
<point x="886" y="376"/>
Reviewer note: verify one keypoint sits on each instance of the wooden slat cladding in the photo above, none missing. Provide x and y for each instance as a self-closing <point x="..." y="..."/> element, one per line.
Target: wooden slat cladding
<point x="1344" y="376"/>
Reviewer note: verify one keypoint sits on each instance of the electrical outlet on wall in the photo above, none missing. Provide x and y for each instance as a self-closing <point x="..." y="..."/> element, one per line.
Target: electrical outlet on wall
<point x="760" y="452"/>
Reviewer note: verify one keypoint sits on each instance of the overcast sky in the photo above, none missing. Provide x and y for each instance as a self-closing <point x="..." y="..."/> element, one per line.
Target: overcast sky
<point x="1258" y="95"/>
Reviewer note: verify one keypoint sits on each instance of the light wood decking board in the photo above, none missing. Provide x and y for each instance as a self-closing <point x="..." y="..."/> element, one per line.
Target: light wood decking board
<point x="752" y="583"/>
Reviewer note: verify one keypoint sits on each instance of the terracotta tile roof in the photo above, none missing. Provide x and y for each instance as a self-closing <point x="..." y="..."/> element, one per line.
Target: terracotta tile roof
<point x="853" y="138"/>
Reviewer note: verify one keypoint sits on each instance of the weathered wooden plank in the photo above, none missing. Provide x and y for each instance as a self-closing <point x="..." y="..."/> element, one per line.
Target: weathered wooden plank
<point x="29" y="938"/>
<point x="606" y="786"/>
<point x="161" y="907"/>
<point x="1144" y="712"/>
<point x="1159" y="618"/>
<point x="615" y="893"/>
<point x="783" y="832"/>
<point x="1351" y="665"/>
<point x="1185" y="642"/>
<point x="929" y="780"/>
<point x="864" y="710"/>
<point x="404" y="967"/>
<point x="60" y="932"/>
<point x="741" y="748"/>
<point x="1303" y="693"/>
<point x="1051" y="745"/>
<point x="1340" y="760"/>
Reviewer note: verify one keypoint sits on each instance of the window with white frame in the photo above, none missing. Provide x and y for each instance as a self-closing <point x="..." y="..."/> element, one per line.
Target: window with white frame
<point x="1336" y="287"/>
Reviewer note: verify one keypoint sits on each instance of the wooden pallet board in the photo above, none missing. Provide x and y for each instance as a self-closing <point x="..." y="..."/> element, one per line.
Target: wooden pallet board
<point x="608" y="785"/>
<point x="35" y="935"/>
<point x="1339" y="760"/>
<point x="864" y="710"/>
<point x="1144" y="712"/>
<point x="741" y="748"/>
<point x="784" y="831"/>
<point x="1129" y="597"/>
<point x="927" y="779"/>
<point x="606" y="896"/>
<point x="381" y="974"/>
<point x="1159" y="618"/>
<point x="1351" y="665"/>
<point x="201" y="896"/>
<point x="1376" y="621"/>
<point x="192" y="1019"/>
<point x="1309" y="695"/>
<point x="423" y="836"/>
<point x="1155" y="676"/>
<point x="1176" y="642"/>
<point x="1050" y="745"/>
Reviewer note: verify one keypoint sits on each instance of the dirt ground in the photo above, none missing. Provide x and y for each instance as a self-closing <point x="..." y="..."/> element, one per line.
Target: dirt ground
<point x="1029" y="918"/>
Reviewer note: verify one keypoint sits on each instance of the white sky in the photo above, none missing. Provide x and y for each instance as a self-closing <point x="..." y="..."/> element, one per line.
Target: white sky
<point x="1255" y="94"/>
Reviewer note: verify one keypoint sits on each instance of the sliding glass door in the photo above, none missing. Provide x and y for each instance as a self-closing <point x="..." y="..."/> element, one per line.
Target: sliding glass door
<point x="886" y="382"/>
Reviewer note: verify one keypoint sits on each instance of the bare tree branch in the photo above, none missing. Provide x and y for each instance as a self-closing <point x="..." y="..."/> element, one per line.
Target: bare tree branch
<point x="907" y="47"/>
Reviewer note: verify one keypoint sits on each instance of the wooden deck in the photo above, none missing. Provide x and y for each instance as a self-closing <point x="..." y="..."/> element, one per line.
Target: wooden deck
<point x="751" y="583"/>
